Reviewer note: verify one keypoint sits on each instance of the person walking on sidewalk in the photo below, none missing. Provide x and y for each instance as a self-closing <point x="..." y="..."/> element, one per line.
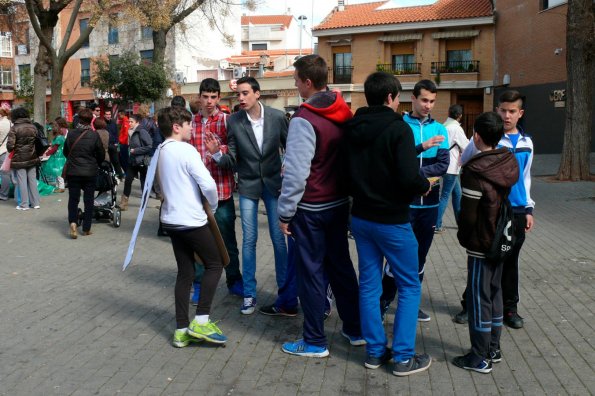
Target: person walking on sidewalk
<point x="384" y="179"/>
<point x="256" y="134"/>
<point x="140" y="145"/>
<point x="183" y="178"/>
<point x="314" y="209"/>
<point x="84" y="153"/>
<point x="211" y="126"/>
<point x="486" y="182"/>
<point x="21" y="140"/>
<point x="5" y="125"/>
<point x="511" y="109"/>
<point x="451" y="185"/>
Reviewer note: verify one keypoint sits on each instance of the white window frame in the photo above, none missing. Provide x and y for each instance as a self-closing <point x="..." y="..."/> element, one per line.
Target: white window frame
<point x="6" y="45"/>
<point x="6" y="71"/>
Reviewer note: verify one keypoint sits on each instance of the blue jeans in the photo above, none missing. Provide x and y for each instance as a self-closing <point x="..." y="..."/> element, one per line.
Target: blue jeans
<point x="249" y="213"/>
<point x="396" y="243"/>
<point x="225" y="217"/>
<point x="450" y="185"/>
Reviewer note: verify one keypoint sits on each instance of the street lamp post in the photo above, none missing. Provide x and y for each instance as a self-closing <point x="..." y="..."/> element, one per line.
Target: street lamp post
<point x="301" y="18"/>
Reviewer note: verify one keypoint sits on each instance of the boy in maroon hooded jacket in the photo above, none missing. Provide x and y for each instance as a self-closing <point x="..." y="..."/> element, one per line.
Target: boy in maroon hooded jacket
<point x="486" y="181"/>
<point x="314" y="209"/>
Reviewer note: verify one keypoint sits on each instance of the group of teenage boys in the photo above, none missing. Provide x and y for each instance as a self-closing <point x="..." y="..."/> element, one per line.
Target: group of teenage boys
<point x="388" y="164"/>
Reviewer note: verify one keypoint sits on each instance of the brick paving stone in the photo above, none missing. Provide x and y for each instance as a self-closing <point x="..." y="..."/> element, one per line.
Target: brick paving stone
<point x="73" y="323"/>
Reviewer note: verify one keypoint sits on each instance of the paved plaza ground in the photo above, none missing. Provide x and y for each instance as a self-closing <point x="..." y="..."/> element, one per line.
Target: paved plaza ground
<point x="71" y="322"/>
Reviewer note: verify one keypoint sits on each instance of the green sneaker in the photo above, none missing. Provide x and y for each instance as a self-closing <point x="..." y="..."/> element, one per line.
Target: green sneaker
<point x="208" y="332"/>
<point x="182" y="339"/>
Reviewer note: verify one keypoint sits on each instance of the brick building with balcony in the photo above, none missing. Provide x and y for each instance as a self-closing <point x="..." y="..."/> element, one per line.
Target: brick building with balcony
<point x="531" y="57"/>
<point x="450" y="42"/>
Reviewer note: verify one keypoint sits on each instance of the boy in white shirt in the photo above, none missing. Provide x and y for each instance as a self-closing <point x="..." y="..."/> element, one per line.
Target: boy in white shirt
<point x="183" y="178"/>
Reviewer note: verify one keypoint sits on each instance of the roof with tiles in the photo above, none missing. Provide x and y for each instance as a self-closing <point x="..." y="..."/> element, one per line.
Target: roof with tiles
<point x="253" y="57"/>
<point x="369" y="14"/>
<point x="267" y="20"/>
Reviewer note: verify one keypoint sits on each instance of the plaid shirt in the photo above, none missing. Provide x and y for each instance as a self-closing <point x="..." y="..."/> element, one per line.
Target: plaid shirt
<point x="217" y="125"/>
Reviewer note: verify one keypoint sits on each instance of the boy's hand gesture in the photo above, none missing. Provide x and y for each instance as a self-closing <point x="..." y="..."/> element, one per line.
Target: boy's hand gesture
<point x="212" y="143"/>
<point x="432" y="142"/>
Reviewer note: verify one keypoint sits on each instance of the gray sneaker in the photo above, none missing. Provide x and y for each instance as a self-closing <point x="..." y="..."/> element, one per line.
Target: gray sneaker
<point x="416" y="364"/>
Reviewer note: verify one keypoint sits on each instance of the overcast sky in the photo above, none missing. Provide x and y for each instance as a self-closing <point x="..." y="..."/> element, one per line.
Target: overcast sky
<point x="320" y="9"/>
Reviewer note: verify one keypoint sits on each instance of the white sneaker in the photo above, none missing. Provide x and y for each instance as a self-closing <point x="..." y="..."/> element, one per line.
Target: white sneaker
<point x="21" y="208"/>
<point x="36" y="207"/>
<point x="249" y="306"/>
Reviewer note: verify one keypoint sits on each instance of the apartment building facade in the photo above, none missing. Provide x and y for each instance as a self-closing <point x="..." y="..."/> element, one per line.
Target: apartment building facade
<point x="450" y="42"/>
<point x="531" y="57"/>
<point x="192" y="52"/>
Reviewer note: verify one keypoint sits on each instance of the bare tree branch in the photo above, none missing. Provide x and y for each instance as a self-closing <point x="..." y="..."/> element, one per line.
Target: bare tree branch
<point x="34" y="17"/>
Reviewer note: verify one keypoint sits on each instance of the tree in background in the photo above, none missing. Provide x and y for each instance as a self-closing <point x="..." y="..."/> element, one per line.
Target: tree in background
<point x="580" y="69"/>
<point x="44" y="16"/>
<point x="128" y="79"/>
<point x="163" y="15"/>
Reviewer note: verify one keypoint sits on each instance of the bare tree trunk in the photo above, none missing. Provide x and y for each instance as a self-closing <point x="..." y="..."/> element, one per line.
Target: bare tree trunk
<point x="159" y="46"/>
<point x="41" y="71"/>
<point x="580" y="32"/>
<point x="56" y="87"/>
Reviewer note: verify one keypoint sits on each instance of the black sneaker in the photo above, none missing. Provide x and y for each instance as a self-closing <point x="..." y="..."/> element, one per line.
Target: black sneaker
<point x="513" y="320"/>
<point x="461" y="317"/>
<point x="417" y="363"/>
<point x="464" y="362"/>
<point x="373" y="362"/>
<point x="422" y="316"/>
<point x="496" y="356"/>
<point x="272" y="310"/>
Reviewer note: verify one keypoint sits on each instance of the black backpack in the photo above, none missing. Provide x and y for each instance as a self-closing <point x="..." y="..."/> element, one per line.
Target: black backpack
<point x="504" y="238"/>
<point x="41" y="140"/>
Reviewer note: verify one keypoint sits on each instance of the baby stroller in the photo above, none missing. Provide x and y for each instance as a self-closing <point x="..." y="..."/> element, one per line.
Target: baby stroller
<point x="104" y="206"/>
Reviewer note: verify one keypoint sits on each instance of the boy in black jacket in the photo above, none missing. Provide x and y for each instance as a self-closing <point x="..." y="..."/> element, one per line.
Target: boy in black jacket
<point x="385" y="177"/>
<point x="486" y="180"/>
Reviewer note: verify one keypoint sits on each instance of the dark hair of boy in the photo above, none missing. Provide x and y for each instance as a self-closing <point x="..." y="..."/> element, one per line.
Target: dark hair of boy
<point x="428" y="85"/>
<point x="209" y="85"/>
<point x="455" y="111"/>
<point x="122" y="111"/>
<point x="378" y="86"/>
<point x="169" y="116"/>
<point x="61" y="122"/>
<point x="100" y="123"/>
<point x="194" y="106"/>
<point x="136" y="117"/>
<point x="178" y="101"/>
<point x="490" y="127"/>
<point x="512" y="96"/>
<point x="313" y="68"/>
<point x="18" y="113"/>
<point x="85" y="116"/>
<point x="250" y="80"/>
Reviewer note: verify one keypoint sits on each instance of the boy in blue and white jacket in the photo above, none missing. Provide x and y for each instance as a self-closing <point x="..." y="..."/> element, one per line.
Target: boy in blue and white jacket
<point x="520" y="144"/>
<point x="431" y="144"/>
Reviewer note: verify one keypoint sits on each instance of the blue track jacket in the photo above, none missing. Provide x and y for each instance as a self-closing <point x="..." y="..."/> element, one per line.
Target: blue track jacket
<point x="520" y="194"/>
<point x="432" y="162"/>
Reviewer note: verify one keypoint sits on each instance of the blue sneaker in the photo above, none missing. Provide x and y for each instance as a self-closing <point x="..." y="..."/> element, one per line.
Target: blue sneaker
<point x="354" y="340"/>
<point x="302" y="348"/>
<point x="196" y="294"/>
<point x="237" y="289"/>
<point x="249" y="306"/>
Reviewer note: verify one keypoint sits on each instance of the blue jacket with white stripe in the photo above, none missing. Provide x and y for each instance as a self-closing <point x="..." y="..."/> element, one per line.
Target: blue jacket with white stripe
<point x="520" y="194"/>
